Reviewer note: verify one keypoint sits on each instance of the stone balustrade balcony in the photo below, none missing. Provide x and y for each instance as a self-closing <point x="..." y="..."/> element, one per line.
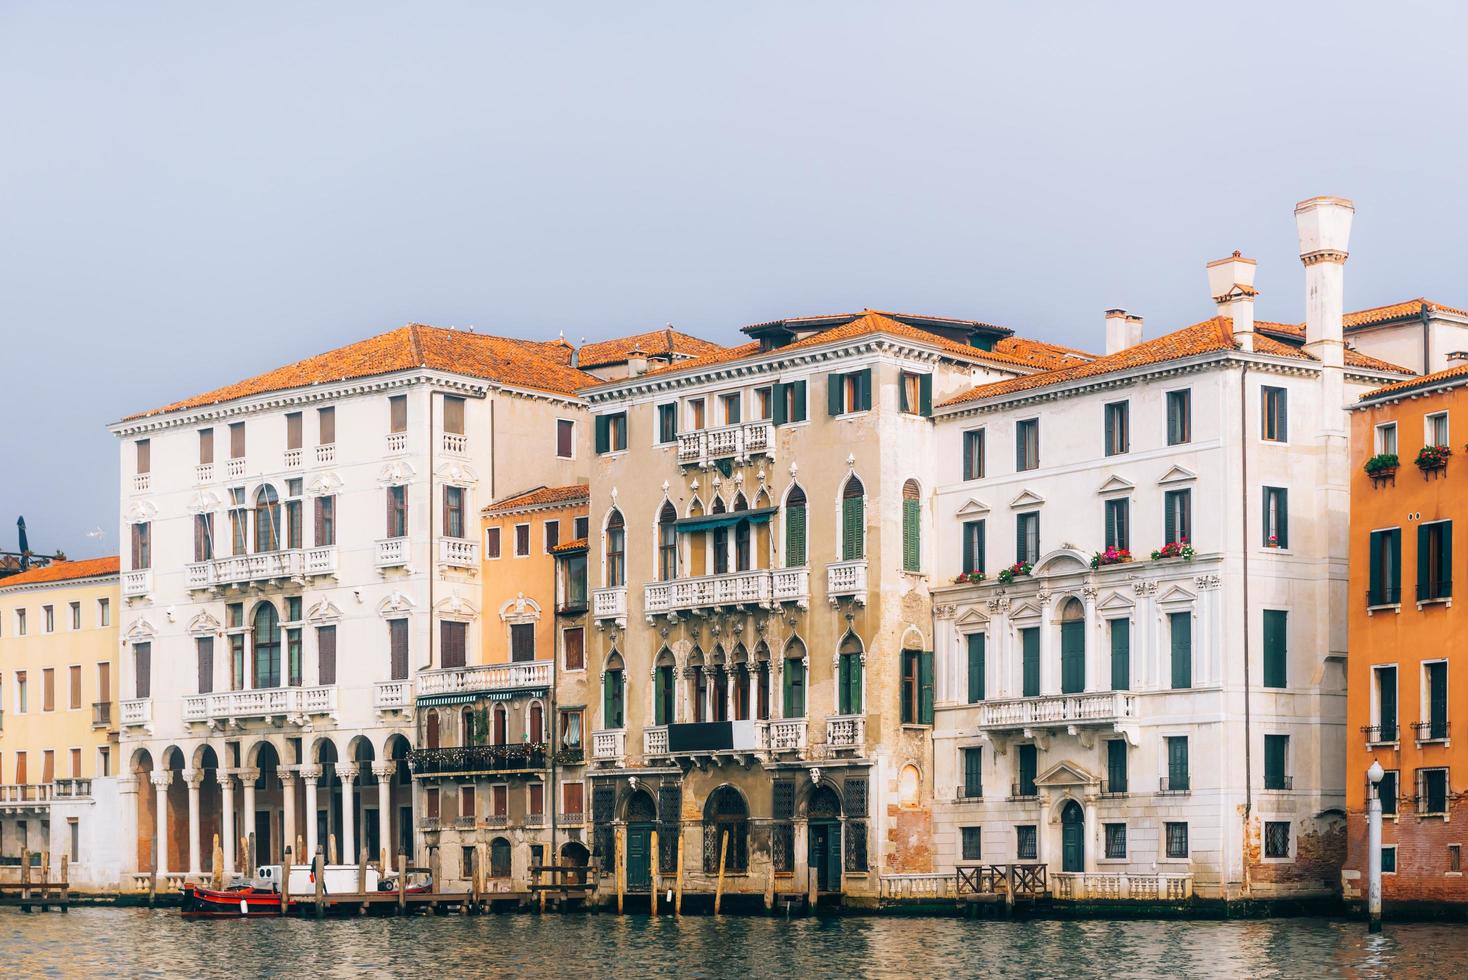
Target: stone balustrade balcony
<point x="391" y="553"/>
<point x="137" y="583"/>
<point x="394" y="695"/>
<point x="846" y="579"/>
<point x="1058" y="710"/>
<point x="704" y="447"/>
<point x="526" y="675"/>
<point x="846" y="732"/>
<point x="458" y="552"/>
<point x="292" y="704"/>
<point x="729" y="589"/>
<point x="137" y="711"/>
<point x="260" y="570"/>
<point x="609" y="604"/>
<point x="609" y="745"/>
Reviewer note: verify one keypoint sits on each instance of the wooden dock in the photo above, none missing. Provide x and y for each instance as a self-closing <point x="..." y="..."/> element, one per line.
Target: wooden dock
<point x="42" y="895"/>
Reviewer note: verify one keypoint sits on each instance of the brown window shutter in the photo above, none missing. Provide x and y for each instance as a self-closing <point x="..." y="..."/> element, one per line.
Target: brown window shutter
<point x="145" y="455"/>
<point x="206" y="445"/>
<point x="104" y="682"/>
<point x="571" y="797"/>
<point x="327" y="419"/>
<point x="76" y="686"/>
<point x="20" y="773"/>
<point x="76" y="763"/>
<point x="236" y="440"/>
<point x="398" y="410"/>
<point x="293" y="430"/>
<point x="326" y="654"/>
<point x="48" y="691"/>
<point x="453" y="414"/>
<point x="142" y="659"/>
<point x="391" y="510"/>
<point x="48" y="766"/>
<point x="398" y="630"/>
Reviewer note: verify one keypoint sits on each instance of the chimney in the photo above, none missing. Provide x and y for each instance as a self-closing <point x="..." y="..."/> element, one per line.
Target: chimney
<point x="1231" y="284"/>
<point x="1122" y="330"/>
<point x="636" y="361"/>
<point x="1324" y="226"/>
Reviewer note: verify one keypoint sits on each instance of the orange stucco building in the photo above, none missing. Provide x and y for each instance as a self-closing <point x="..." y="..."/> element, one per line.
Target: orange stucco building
<point x="1408" y="660"/>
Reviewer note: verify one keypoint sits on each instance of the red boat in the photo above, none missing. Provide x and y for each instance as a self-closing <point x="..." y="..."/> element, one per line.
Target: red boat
<point x="232" y="903"/>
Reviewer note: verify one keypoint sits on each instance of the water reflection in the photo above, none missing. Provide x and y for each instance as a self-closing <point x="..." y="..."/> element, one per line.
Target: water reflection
<point x="121" y="942"/>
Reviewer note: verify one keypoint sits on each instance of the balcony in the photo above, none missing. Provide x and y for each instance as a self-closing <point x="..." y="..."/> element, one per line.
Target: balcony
<point x="469" y="759"/>
<point x="234" y="468"/>
<point x="293" y="704"/>
<point x="968" y="794"/>
<point x="292" y="459"/>
<point x="846" y="732"/>
<point x="1279" y="784"/>
<point x="391" y="553"/>
<point x="1058" y="710"/>
<point x="609" y="745"/>
<point x="1380" y="734"/>
<point x="1120" y="886"/>
<point x="13" y="794"/>
<point x="739" y="441"/>
<point x="1023" y="791"/>
<point x="785" y="735"/>
<point x="1174" y="785"/>
<point x="702" y="738"/>
<point x="137" y="583"/>
<point x="72" y="789"/>
<point x="846" y="578"/>
<point x="731" y="589"/>
<point x="204" y="473"/>
<point x="326" y="455"/>
<point x="1431" y="731"/>
<point x="609" y="604"/>
<point x="397" y="442"/>
<point x="392" y="695"/>
<point x="265" y="568"/>
<point x="142" y="482"/>
<point x="485" y="677"/>
<point x="655" y="741"/>
<point x="791" y="585"/>
<point x="101" y="714"/>
<point x="458" y="552"/>
<point x="455" y="443"/>
<point x="137" y="712"/>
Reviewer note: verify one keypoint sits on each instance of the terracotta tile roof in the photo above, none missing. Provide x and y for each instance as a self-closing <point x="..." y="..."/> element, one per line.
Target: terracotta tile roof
<point x="1396" y="311"/>
<point x="1043" y="354"/>
<point x="537" y="365"/>
<point x="1355" y="358"/>
<point x="1294" y="333"/>
<point x="665" y="342"/>
<point x="567" y="547"/>
<point x="1443" y="377"/>
<point x="64" y="571"/>
<point x="541" y="496"/>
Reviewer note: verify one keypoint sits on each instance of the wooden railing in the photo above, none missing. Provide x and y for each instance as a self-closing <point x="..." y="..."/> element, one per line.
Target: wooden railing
<point x="1017" y="880"/>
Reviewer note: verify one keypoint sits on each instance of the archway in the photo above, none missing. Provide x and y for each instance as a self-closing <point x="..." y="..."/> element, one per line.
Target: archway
<point x="823" y="831"/>
<point x="140" y="766"/>
<point x="640" y="814"/>
<point x="1072" y="838"/>
<point x="575" y="854"/>
<point x="726" y="813"/>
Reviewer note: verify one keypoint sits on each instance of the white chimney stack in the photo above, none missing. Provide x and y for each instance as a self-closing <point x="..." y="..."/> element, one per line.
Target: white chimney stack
<point x="1324" y="226"/>
<point x="636" y="361"/>
<point x="1122" y="330"/>
<point x="1231" y="284"/>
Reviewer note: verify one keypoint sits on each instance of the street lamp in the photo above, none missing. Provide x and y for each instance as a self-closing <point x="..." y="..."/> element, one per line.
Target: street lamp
<point x="1373" y="848"/>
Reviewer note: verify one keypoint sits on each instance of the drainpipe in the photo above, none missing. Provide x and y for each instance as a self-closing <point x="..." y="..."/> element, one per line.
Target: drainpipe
<point x="1244" y="524"/>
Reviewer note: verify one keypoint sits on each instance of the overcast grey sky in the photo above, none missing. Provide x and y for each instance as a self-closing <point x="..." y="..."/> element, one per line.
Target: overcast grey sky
<point x="191" y="193"/>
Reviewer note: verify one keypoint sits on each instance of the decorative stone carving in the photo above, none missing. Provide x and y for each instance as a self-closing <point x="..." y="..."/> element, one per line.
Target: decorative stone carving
<point x="1207" y="582"/>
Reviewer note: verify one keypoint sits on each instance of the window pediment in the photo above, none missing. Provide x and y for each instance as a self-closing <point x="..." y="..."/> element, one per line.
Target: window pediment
<point x="324" y="485"/>
<point x="140" y="512"/>
<point x="396" y="473"/>
<point x="395" y="605"/>
<point x="1066" y="773"/>
<point x="204" y="501"/>
<point x="1177" y="594"/>
<point x="520" y="609"/>
<point x="203" y="625"/>
<point x="1116" y="484"/>
<point x="974" y="508"/>
<point x="324" y="613"/>
<point x="1027" y="498"/>
<point x="1116" y="602"/>
<point x="458" y="473"/>
<point x="140" y="631"/>
<point x="973" y="619"/>
<point x="1177" y="474"/>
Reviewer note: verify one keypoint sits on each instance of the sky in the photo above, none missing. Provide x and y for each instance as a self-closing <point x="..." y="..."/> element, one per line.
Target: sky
<point x="194" y="193"/>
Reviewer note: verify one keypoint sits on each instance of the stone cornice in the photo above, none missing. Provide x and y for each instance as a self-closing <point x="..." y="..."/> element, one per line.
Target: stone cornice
<point x="9" y="590"/>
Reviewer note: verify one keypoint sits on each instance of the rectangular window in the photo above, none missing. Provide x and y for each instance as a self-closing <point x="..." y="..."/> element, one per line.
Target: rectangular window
<point x="789" y="402"/>
<point x="142" y="670"/>
<point x="973" y="773"/>
<point x="1026" y="759"/>
<point x="1276" y="647"/>
<point x="1386" y="439"/>
<point x="453" y="512"/>
<point x="145" y="455"/>
<point x="1275" y="418"/>
<point x="1118" y="524"/>
<point x="20" y="626"/>
<point x="326" y="426"/>
<point x="730" y="405"/>
<point x="572" y="800"/>
<point x="1276" y="749"/>
<point x="1027" y="444"/>
<point x="1276" y="517"/>
<point x="1455" y="858"/>
<point x="1384" y="555"/>
<point x="573" y="643"/>
<point x="499" y="801"/>
<point x="1177" y="840"/>
<point x="397" y="635"/>
<point x="1179" y="417"/>
<point x="104" y="612"/>
<point x="1026" y="842"/>
<point x="206" y="446"/>
<point x="74" y="687"/>
<point x="48" y="615"/>
<point x="697" y="414"/>
<point x="204" y="653"/>
<point x="1180" y="625"/>
<point x="973" y="546"/>
<point x="326" y="655"/>
<point x="1385" y="691"/>
<point x="203" y="537"/>
<point x="48" y="766"/>
<point x="1434" y="561"/>
<point x="909" y="687"/>
<point x="453" y="415"/>
<point x="1121" y="654"/>
<point x="565" y="438"/>
<point x="1027" y="537"/>
<point x="1030" y="655"/>
<point x="397" y="512"/>
<point x="397" y="413"/>
<point x="1386" y="791"/>
<point x="1276" y="839"/>
<point x="48" y="689"/>
<point x="21" y="694"/>
<point x="1118" y="438"/>
<point x="142" y="542"/>
<point x="522" y="642"/>
<point x="522" y="540"/>
<point x="972" y="851"/>
<point x="293" y="430"/>
<point x="976" y="644"/>
<point x="1388" y="859"/>
<point x="1435" y="695"/>
<point x="1116" y="770"/>
<point x="1432" y="792"/>
<point x="431" y="803"/>
<point x="325" y="521"/>
<point x="452" y="643"/>
<point x="1178" y="779"/>
<point x="552" y="535"/>
<point x="582" y="524"/>
<point x="237" y="440"/>
<point x="915" y="394"/>
<point x="1436" y="433"/>
<point x="764" y="404"/>
<point x="536" y="792"/>
<point x="1115" y="841"/>
<point x="1177" y="516"/>
<point x="849" y="392"/>
<point x="491" y="542"/>
<point x="611" y="433"/>
<point x="973" y="454"/>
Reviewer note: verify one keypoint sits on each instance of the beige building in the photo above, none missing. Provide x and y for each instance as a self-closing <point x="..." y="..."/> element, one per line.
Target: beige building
<point x="58" y="740"/>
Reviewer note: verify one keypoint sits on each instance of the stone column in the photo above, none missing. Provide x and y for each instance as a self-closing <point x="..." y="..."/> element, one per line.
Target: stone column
<point x="384" y="773"/>
<point x="1098" y="646"/>
<point x="288" y="822"/>
<point x="226" y="818"/>
<point x="248" y="777"/>
<point x="127" y="794"/>
<point x="160" y="779"/>
<point x="309" y="776"/>
<point x="348" y="776"/>
<point x="194" y="778"/>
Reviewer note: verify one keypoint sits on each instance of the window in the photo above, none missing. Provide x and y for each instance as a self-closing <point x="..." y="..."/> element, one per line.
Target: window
<point x="238" y="522"/>
<point x="1276" y="517"/>
<point x="1180" y="625"/>
<point x="292" y="430"/>
<point x="853" y="520"/>
<point x="453" y="512"/>
<point x="573" y="800"/>
<point x="491" y="542"/>
<point x="1434" y="561"/>
<point x="616" y="550"/>
<point x="397" y="512"/>
<point x="20" y="622"/>
<point x="1177" y="516"/>
<point x="203" y="537"/>
<point x="1177" y="779"/>
<point x="1385" y="558"/>
<point x="793" y="701"/>
<point x="1435" y="695"/>
<point x="573" y="648"/>
<point x="1386" y="791"/>
<point x="1121" y="654"/>
<point x="1384" y="690"/>
<point x="916" y="394"/>
<point x="731" y="405"/>
<point x="204" y="653"/>
<point x="397" y="636"/>
<point x="453" y="415"/>
<point x="48" y="689"/>
<point x="144" y="455"/>
<point x="142" y="672"/>
<point x="74" y="610"/>
<point x="325" y="521"/>
<point x="848" y="677"/>
<point x="1072" y="647"/>
<point x="552" y="535"/>
<point x="48" y="615"/>
<point x="326" y="426"/>
<point x="612" y="694"/>
<point x="1436" y="432"/>
<point x="973" y="773"/>
<point x="697" y="414"/>
<point x="74" y="687"/>
<point x="795" y="528"/>
<point x="1116" y="769"/>
<point x="1027" y="758"/>
<point x="206" y="446"/>
<point x="976" y="651"/>
<point x="104" y="612"/>
<point x="850" y="392"/>
<point x="912" y="520"/>
<point x="522" y="540"/>
<point x="326" y="655"/>
<point x="1432" y="794"/>
<point x="1275" y="418"/>
<point x="293" y="531"/>
<point x="1179" y="417"/>
<point x="1117" y="435"/>
<point x="917" y="687"/>
<point x="1386" y="439"/>
<point x="611" y="433"/>
<point x="1388" y="859"/>
<point x="237" y="440"/>
<point x="1276" y="647"/>
<point x="453" y="643"/>
<point x="1027" y="444"/>
<point x="1026" y="843"/>
<point x="1177" y="840"/>
<point x="971" y="843"/>
<point x="581" y="524"/>
<point x="142" y="546"/>
<point x="667" y="423"/>
<point x="522" y="642"/>
<point x="789" y="402"/>
<point x="764" y="404"/>
<point x="1027" y="536"/>
<point x="668" y="543"/>
<point x="1115" y="841"/>
<point x="20" y="692"/>
<point x="973" y="546"/>
<point x="1030" y="659"/>
<point x="664" y="690"/>
<point x="1118" y="523"/>
<point x="1455" y="858"/>
<point x="397" y="413"/>
<point x="1276" y="749"/>
<point x="266" y="646"/>
<point x="973" y="454"/>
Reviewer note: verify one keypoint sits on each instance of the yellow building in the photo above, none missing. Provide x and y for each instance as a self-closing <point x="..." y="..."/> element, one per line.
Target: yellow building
<point x="58" y="734"/>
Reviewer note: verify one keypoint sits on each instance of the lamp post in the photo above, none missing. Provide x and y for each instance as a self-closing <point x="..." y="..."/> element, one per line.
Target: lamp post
<point x="1373" y="848"/>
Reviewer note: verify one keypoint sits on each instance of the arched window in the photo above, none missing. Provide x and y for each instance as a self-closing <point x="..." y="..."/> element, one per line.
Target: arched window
<point x="700" y="693"/>
<point x="742" y="549"/>
<point x="698" y="543"/>
<point x="466" y="726"/>
<point x="741" y="684"/>
<point x="616" y="537"/>
<point x="537" y="723"/>
<point x="793" y="701"/>
<point x="664" y="689"/>
<point x="795" y="528"/>
<point x="853" y="520"/>
<point x="725" y="818"/>
<point x="720" y="694"/>
<point x="430" y="728"/>
<point x="912" y="514"/>
<point x="501" y="725"/>
<point x="1072" y="646"/>
<point x="762" y="682"/>
<point x="613" y="692"/>
<point x="499" y="858"/>
<point x="848" y="682"/>
<point x="267" y="646"/>
<point x="721" y="539"/>
<point x="267" y="519"/>
<point x="667" y="543"/>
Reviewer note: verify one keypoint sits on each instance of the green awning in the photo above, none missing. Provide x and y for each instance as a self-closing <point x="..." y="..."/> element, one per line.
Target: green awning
<point x="708" y="522"/>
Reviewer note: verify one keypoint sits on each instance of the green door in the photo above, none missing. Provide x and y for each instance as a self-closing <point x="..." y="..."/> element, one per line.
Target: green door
<point x="1073" y="841"/>
<point x="639" y="857"/>
<point x="825" y="855"/>
<point x="1072" y="657"/>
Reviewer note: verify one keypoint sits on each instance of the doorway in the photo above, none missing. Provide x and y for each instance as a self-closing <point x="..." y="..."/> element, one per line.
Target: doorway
<point x="1072" y="838"/>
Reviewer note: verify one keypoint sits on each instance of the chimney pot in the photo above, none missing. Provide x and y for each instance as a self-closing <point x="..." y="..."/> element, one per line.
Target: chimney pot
<point x="1231" y="284"/>
<point x="1122" y="330"/>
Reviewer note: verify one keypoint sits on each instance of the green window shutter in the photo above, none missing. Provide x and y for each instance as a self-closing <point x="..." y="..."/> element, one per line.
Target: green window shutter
<point x="925" y="687"/>
<point x="795" y="537"/>
<point x="1274" y="761"/>
<point x="610" y="714"/>
<point x="1072" y="657"/>
<point x="973" y="772"/>
<point x="799" y="402"/>
<point x="1437" y="699"/>
<point x="902" y="392"/>
<point x="1121" y="654"/>
<point x="1276" y="622"/>
<point x="1116" y="766"/>
<point x="777" y="398"/>
<point x="1395" y="539"/>
<point x="834" y="383"/>
<point x="1030" y="639"/>
<point x="1445" y="566"/>
<point x="911" y="536"/>
<point x="850" y="684"/>
<point x="1177" y="763"/>
<point x="601" y="434"/>
<point x="1111" y="523"/>
<point x="1169" y="520"/>
<point x="1423" y="535"/>
<point x="968" y="455"/>
<point x="1375" y="595"/>
<point x="864" y="389"/>
<point x="1284" y="419"/>
<point x="1386" y="698"/>
<point x="925" y="395"/>
<point x="1284" y="515"/>
<point x="1173" y="421"/>
<point x="1182" y="649"/>
<point x="968" y="546"/>
<point x="976" y="643"/>
<point x="851" y="529"/>
<point x="794" y="702"/>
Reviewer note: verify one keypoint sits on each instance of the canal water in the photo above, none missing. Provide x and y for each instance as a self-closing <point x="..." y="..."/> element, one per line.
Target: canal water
<point x="140" y="943"/>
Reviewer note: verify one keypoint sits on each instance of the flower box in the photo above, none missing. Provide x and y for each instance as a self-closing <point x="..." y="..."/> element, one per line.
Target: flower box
<point x="1381" y="466"/>
<point x="1432" y="458"/>
<point x="1174" y="549"/>
<point x="1017" y="570"/>
<point x="969" y="578"/>
<point x="1111" y="556"/>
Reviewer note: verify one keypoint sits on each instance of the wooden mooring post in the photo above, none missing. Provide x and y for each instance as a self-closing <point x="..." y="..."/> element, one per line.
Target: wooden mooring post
<point x="66" y="882"/>
<point x="45" y="878"/>
<point x="678" y="882"/>
<point x="216" y="858"/>
<point x="362" y="880"/>
<point x="25" y="876"/>
<point x="402" y="883"/>
<point x="723" y="857"/>
<point x="285" y="883"/>
<point x="653" y="892"/>
<point x="318" y="871"/>
<point x="152" y="875"/>
<point x="621" y="867"/>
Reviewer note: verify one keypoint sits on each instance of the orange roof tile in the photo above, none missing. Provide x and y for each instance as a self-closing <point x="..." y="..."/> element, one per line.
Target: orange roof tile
<point x="666" y="342"/>
<point x="541" y="496"/>
<point x="64" y="571"/>
<point x="537" y="365"/>
<point x="1458" y="372"/>
<point x="1294" y="333"/>
<point x="1043" y="354"/>
<point x="566" y="547"/>
<point x="1396" y="311"/>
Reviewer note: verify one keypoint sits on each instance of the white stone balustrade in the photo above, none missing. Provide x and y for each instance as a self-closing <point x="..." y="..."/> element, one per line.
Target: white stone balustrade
<point x="609" y="745"/>
<point x="266" y="566"/>
<point x="234" y="468"/>
<point x="458" y="552"/>
<point x="326" y="454"/>
<point x="845" y="578"/>
<point x="655" y="741"/>
<point x="1103" y="707"/>
<point x="292" y="459"/>
<point x="609" y="603"/>
<point x="703" y="591"/>
<point x="392" y="695"/>
<point x="137" y="711"/>
<point x="791" y="585"/>
<point x="846" y="732"/>
<point x="485" y="677"/>
<point x="142" y="482"/>
<point x="455" y="443"/>
<point x="391" y="552"/>
<point x="204" y="473"/>
<point x="260" y="703"/>
<point x="786" y="735"/>
<point x="397" y="442"/>
<point x="137" y="583"/>
<point x="739" y="441"/>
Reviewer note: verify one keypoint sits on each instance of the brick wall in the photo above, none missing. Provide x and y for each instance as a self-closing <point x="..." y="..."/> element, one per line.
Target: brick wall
<point x="1319" y="852"/>
<point x="1422" y="857"/>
